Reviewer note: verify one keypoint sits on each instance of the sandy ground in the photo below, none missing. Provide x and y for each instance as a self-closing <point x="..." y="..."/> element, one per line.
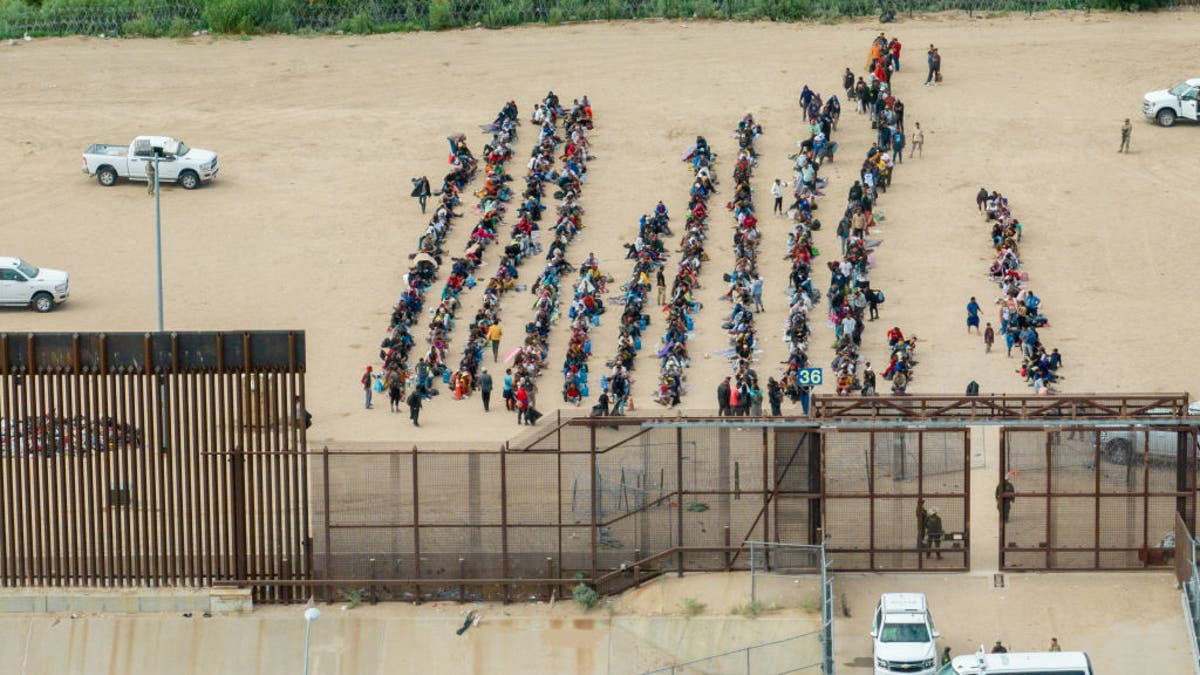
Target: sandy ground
<point x="309" y="224"/>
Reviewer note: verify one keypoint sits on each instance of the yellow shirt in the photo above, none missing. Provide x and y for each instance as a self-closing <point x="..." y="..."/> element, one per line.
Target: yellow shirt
<point x="494" y="333"/>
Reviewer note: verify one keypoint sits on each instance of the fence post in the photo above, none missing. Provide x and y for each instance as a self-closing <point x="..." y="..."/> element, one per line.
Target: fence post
<point x="416" y="507"/>
<point x="325" y="590"/>
<point x="679" y="487"/>
<point x="595" y="524"/>
<point x="504" y="571"/>
<point x="462" y="575"/>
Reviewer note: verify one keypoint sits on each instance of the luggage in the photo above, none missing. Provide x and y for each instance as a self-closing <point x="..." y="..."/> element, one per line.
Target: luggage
<point x="533" y="415"/>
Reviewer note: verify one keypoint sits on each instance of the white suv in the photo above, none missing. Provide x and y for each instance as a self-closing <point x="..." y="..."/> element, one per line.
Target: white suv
<point x="904" y="635"/>
<point x="24" y="285"/>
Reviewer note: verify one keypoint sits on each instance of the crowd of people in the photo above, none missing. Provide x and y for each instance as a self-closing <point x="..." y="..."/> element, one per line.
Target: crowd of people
<point x="398" y="344"/>
<point x="853" y="301"/>
<point x="529" y="359"/>
<point x="649" y="258"/>
<point x="49" y="434"/>
<point x="741" y="393"/>
<point x="586" y="308"/>
<point x="1021" y="314"/>
<point x="679" y="304"/>
<point x="816" y="148"/>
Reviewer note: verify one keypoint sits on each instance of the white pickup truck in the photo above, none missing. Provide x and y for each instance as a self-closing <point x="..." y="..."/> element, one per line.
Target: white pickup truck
<point x="1166" y="105"/>
<point x="177" y="162"/>
<point x="24" y="285"/>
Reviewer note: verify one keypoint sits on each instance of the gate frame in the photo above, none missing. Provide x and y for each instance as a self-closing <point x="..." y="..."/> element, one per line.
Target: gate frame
<point x="1180" y="428"/>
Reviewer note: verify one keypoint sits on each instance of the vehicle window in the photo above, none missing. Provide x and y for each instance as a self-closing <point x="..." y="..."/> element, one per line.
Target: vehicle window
<point x="947" y="670"/>
<point x="10" y="275"/>
<point x="182" y="149"/>
<point x="1190" y="95"/>
<point x="904" y="632"/>
<point x="1178" y="89"/>
<point x="27" y="269"/>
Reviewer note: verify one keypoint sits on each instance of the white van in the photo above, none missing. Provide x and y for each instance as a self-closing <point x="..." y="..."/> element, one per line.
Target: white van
<point x="904" y="635"/>
<point x="1020" y="663"/>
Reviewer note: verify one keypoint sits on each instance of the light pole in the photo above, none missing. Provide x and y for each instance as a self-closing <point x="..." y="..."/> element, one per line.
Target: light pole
<point x="158" y="237"/>
<point x="311" y="614"/>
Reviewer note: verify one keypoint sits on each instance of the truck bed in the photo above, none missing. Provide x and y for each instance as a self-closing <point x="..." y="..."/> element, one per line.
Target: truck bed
<point x="108" y="150"/>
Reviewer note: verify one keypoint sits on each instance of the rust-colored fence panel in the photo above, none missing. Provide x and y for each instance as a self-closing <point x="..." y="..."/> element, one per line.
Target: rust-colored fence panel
<point x="874" y="483"/>
<point x="153" y="460"/>
<point x="1094" y="498"/>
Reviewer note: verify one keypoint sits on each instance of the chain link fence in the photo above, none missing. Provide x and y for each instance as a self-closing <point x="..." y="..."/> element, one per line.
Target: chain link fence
<point x="134" y="18"/>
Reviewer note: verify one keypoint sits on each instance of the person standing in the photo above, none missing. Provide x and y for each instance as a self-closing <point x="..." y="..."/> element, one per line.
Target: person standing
<point x="972" y="316"/>
<point x="989" y="337"/>
<point x="922" y="516"/>
<point x="494" y="333"/>
<point x="756" y="291"/>
<point x="723" y="397"/>
<point x="898" y="144"/>
<point x="981" y="198"/>
<point x="150" y="172"/>
<point x="1004" y="503"/>
<point x="510" y="399"/>
<point x="918" y="141"/>
<point x="935" y="65"/>
<point x="945" y="657"/>
<point x="777" y="193"/>
<point x="421" y="190"/>
<point x="485" y="388"/>
<point x="414" y="406"/>
<point x="1126" y="130"/>
<point x="895" y="54"/>
<point x="366" y="385"/>
<point x="934" y="532"/>
<point x="929" y="62"/>
<point x="1054" y="646"/>
<point x="522" y="403"/>
<point x="774" y="396"/>
<point x="393" y="390"/>
<point x="999" y="647"/>
<point x="660" y="280"/>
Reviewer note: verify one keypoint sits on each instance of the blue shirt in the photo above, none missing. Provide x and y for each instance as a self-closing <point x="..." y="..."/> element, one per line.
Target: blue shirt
<point x="972" y="309"/>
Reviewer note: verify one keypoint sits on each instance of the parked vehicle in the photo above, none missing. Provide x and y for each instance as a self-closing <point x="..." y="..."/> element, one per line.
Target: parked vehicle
<point x="190" y="167"/>
<point x="24" y="285"/>
<point x="904" y="635"/>
<point x="1019" y="663"/>
<point x="1166" y="105"/>
<point x="1127" y="447"/>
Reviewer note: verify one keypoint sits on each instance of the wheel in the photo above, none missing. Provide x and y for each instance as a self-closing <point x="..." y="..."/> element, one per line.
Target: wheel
<point x="107" y="176"/>
<point x="1119" y="451"/>
<point x="189" y="180"/>
<point x="1166" y="117"/>
<point x="43" y="302"/>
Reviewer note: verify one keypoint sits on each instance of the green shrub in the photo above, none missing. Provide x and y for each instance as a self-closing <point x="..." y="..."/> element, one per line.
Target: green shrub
<point x="586" y="596"/>
<point x="441" y="15"/>
<point x="750" y="610"/>
<point x="240" y="17"/>
<point x="691" y="607"/>
<point x="360" y="24"/>
<point x="705" y="9"/>
<point x="354" y="596"/>
<point x="179" y="28"/>
<point x="143" y="26"/>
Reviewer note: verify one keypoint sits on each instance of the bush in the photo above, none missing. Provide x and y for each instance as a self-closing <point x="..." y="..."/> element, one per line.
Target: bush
<point x="441" y="15"/>
<point x="586" y="596"/>
<point x="360" y="24"/>
<point x="240" y="17"/>
<point x="143" y="26"/>
<point x="691" y="607"/>
<point x="750" y="610"/>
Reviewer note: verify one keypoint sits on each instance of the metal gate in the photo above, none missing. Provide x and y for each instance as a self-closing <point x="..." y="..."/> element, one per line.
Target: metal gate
<point x="876" y="482"/>
<point x="1100" y="497"/>
<point x="138" y="459"/>
<point x="860" y="490"/>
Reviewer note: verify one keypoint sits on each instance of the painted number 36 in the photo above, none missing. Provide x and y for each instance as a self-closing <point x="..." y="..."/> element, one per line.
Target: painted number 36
<point x="809" y="377"/>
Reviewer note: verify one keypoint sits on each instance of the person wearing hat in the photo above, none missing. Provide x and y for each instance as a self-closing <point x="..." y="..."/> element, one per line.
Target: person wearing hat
<point x="366" y="385"/>
<point x="999" y="647"/>
<point x="934" y="532"/>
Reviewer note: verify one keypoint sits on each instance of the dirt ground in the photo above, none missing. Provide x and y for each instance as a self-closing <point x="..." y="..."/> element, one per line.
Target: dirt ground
<point x="309" y="223"/>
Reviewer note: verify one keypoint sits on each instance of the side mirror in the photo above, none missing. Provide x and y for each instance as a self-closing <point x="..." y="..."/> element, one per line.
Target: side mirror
<point x="874" y="633"/>
<point x="936" y="635"/>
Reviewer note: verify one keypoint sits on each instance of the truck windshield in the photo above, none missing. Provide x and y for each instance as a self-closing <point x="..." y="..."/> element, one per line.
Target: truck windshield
<point x="1180" y="89"/>
<point x="27" y="269"/>
<point x="904" y="632"/>
<point x="182" y="149"/>
<point x="947" y="670"/>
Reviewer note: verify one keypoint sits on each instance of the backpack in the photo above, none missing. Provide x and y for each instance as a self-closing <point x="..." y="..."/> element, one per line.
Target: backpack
<point x="973" y="388"/>
<point x="879" y="297"/>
